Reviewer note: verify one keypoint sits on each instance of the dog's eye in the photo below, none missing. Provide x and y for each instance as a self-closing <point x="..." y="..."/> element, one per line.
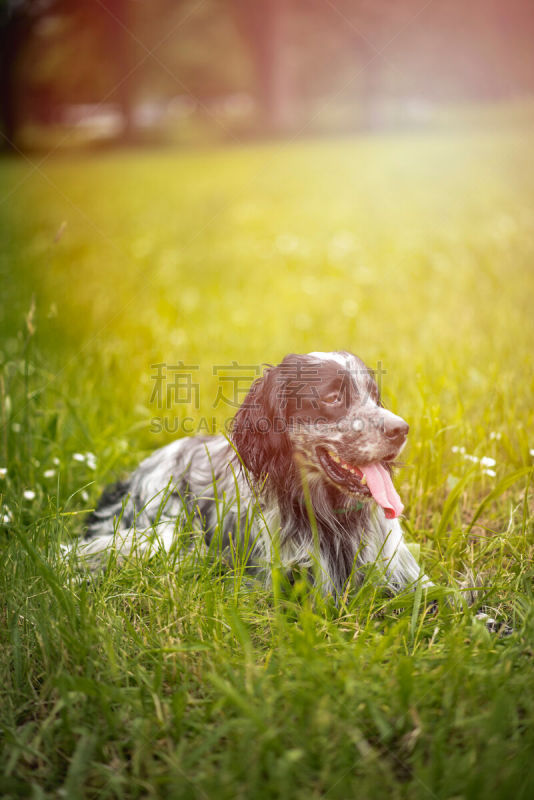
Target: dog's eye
<point x="331" y="397"/>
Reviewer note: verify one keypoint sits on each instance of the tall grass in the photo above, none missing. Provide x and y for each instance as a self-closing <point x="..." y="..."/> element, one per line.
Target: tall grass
<point x="165" y="677"/>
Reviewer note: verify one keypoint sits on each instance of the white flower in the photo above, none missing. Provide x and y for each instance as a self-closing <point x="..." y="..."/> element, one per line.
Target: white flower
<point x="56" y="461"/>
<point x="490" y="472"/>
<point x="3" y="472"/>
<point x="49" y="473"/>
<point x="90" y="460"/>
<point x="7" y="516"/>
<point x="457" y="449"/>
<point x="29" y="494"/>
<point x="85" y="496"/>
<point x="486" y="461"/>
<point x="494" y="435"/>
<point x="85" y="458"/>
<point x="531" y="451"/>
<point x="469" y="457"/>
<point x="16" y="427"/>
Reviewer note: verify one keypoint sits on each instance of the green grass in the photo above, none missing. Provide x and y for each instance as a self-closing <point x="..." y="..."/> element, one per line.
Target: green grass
<point x="158" y="680"/>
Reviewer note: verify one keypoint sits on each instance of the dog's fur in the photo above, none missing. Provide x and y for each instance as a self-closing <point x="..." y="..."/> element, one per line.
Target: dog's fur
<point x="268" y="487"/>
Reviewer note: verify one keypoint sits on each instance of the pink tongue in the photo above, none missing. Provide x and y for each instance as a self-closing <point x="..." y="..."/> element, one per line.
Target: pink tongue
<point x="381" y="487"/>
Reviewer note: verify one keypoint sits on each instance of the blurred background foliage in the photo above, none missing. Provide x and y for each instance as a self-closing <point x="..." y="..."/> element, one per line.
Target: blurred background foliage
<point x="119" y="70"/>
<point x="410" y="243"/>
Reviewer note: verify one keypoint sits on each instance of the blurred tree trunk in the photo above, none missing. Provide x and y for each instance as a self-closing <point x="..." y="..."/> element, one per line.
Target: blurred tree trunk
<point x="15" y="27"/>
<point x="264" y="26"/>
<point x="121" y="39"/>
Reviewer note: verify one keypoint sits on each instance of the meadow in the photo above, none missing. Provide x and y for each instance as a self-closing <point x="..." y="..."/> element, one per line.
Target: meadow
<point x="157" y="679"/>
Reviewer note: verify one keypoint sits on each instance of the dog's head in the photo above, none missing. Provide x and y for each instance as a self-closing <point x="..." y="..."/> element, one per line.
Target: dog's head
<point x="321" y="412"/>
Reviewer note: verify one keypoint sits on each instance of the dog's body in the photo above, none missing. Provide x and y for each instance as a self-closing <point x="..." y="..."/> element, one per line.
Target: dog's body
<point x="305" y="481"/>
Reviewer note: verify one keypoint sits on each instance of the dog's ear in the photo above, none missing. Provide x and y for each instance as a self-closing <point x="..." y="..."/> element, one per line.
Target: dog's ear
<point x="259" y="429"/>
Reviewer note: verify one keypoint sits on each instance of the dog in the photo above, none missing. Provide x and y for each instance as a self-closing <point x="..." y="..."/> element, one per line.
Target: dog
<point x="303" y="481"/>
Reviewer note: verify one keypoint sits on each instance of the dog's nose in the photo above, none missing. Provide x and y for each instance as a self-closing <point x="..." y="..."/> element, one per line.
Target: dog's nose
<point x="397" y="429"/>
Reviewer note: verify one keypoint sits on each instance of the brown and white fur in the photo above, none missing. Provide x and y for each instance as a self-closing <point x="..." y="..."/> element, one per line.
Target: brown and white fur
<point x="283" y="481"/>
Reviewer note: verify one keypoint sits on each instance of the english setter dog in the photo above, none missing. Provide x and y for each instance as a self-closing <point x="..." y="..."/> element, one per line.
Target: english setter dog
<point x="303" y="481"/>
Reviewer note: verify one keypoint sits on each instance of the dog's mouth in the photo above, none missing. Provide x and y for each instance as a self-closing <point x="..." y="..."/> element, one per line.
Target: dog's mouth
<point x="367" y="480"/>
<point x="348" y="475"/>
